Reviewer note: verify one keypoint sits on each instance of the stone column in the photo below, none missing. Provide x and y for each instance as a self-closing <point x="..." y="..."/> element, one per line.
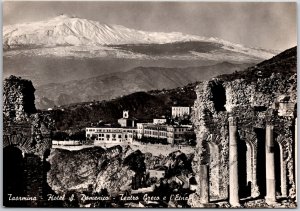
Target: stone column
<point x="233" y="164"/>
<point x="270" y="166"/>
<point x="249" y="163"/>
<point x="254" y="189"/>
<point x="283" y="184"/>
<point x="204" y="184"/>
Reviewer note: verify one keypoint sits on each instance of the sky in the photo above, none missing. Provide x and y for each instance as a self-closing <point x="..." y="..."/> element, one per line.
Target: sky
<point x="269" y="25"/>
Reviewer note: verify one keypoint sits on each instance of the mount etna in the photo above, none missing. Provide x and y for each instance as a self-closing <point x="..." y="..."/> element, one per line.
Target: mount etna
<point x="70" y="59"/>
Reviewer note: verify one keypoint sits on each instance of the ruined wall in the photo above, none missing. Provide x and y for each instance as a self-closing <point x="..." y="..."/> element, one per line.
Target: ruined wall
<point x="23" y="126"/>
<point x="18" y="98"/>
<point x="254" y="98"/>
<point x="27" y="135"/>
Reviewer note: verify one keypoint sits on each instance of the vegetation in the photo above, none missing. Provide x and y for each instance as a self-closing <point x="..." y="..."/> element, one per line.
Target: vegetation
<point x="62" y="136"/>
<point x="142" y="105"/>
<point x="285" y="62"/>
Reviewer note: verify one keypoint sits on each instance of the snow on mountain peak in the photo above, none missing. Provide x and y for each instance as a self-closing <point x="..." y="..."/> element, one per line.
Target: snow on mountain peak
<point x="66" y="30"/>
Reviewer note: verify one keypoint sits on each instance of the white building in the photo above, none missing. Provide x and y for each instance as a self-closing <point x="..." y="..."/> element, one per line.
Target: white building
<point x="178" y="111"/>
<point x="150" y="130"/>
<point x="170" y="132"/>
<point x="66" y="143"/>
<point x="111" y="135"/>
<point x="126" y="121"/>
<point x="159" y="121"/>
<point x="179" y="132"/>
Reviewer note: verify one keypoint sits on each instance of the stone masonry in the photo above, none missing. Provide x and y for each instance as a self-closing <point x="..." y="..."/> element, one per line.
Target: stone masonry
<point x="26" y="143"/>
<point x="245" y="127"/>
<point x="23" y="126"/>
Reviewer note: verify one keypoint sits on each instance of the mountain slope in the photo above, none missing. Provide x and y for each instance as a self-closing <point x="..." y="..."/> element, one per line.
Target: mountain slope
<point x="64" y="30"/>
<point x="72" y="59"/>
<point x="142" y="105"/>
<point x="112" y="85"/>
<point x="154" y="104"/>
<point x="71" y="36"/>
<point x="284" y="63"/>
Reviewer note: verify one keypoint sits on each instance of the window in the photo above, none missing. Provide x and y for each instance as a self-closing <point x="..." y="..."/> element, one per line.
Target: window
<point x="107" y="136"/>
<point x="219" y="96"/>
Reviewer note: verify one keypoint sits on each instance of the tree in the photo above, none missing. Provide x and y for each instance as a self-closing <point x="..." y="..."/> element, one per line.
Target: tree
<point x="60" y="135"/>
<point x="190" y="138"/>
<point x="79" y="135"/>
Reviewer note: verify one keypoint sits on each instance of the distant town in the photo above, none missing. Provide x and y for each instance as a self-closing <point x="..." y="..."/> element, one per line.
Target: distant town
<point x="174" y="130"/>
<point x="157" y="185"/>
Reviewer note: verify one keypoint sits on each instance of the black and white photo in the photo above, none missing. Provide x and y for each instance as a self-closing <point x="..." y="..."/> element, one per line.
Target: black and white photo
<point x="159" y="104"/>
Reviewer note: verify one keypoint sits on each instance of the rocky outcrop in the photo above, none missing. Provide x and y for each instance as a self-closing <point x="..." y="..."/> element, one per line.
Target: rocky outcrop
<point x="114" y="169"/>
<point x="101" y="168"/>
<point x="264" y="94"/>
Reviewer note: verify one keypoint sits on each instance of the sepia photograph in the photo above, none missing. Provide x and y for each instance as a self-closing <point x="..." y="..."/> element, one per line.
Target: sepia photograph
<point x="155" y="104"/>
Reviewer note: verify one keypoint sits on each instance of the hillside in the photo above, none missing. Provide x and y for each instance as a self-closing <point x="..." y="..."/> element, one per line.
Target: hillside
<point x="110" y="86"/>
<point x="152" y="104"/>
<point x="71" y="59"/>
<point x="285" y="62"/>
<point x="142" y="105"/>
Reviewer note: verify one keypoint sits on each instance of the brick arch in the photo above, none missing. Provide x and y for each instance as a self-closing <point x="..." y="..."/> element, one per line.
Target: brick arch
<point x="19" y="141"/>
<point x="20" y="136"/>
<point x="286" y="146"/>
<point x="286" y="163"/>
<point x="251" y="143"/>
<point x="248" y="136"/>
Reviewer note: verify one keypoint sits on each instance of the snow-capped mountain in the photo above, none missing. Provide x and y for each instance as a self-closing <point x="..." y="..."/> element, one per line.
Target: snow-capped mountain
<point x="72" y="36"/>
<point x="65" y="30"/>
<point x="71" y="59"/>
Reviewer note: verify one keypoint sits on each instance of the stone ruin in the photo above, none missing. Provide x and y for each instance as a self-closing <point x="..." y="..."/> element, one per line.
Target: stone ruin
<point x="18" y="99"/>
<point x="246" y="133"/>
<point x="23" y="126"/>
<point x="26" y="144"/>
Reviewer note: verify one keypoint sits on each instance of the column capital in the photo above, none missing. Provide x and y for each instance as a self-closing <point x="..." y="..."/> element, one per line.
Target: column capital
<point x="269" y="122"/>
<point x="270" y="125"/>
<point x="270" y="117"/>
<point x="232" y="121"/>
